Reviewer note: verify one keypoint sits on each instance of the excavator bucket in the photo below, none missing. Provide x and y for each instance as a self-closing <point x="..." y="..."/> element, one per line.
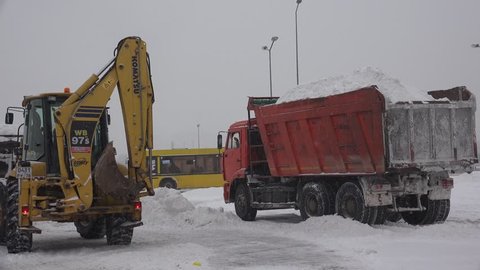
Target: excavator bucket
<point x="108" y="177"/>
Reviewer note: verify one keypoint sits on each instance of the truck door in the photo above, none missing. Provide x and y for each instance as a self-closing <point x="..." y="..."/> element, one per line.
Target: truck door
<point x="232" y="155"/>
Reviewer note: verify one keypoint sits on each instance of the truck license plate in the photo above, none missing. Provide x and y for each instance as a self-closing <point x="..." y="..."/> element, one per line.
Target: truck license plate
<point x="24" y="172"/>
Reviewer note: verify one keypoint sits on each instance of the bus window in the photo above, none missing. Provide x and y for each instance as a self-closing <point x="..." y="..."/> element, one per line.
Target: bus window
<point x="189" y="168"/>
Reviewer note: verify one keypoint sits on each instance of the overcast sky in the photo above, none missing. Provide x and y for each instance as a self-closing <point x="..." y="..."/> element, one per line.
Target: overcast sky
<point x="206" y="55"/>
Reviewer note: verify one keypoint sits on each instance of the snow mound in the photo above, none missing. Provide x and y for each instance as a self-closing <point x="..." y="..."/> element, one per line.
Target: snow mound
<point x="390" y="87"/>
<point x="169" y="208"/>
<point x="7" y="130"/>
<point x="335" y="227"/>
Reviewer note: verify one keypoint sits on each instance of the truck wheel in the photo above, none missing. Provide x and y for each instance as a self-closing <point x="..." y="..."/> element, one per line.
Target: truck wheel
<point x="17" y="241"/>
<point x="168" y="183"/>
<point x="393" y="216"/>
<point x="116" y="234"/>
<point x="373" y="215"/>
<point x="243" y="207"/>
<point x="313" y="200"/>
<point x="381" y="215"/>
<point x="94" y="229"/>
<point x="443" y="209"/>
<point x="350" y="203"/>
<point x="3" y="211"/>
<point x="429" y="216"/>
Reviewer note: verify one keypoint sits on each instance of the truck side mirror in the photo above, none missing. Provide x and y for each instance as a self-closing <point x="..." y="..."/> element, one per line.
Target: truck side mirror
<point x="219" y="141"/>
<point x="9" y="118"/>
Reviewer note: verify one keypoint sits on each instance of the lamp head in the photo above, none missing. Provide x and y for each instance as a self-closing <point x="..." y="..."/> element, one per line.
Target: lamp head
<point x="475" y="45"/>
<point x="299" y="1"/>
<point x="265" y="48"/>
<point x="274" y="39"/>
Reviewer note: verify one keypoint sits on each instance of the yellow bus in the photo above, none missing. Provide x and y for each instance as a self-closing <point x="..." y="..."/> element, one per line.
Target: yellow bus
<point x="187" y="168"/>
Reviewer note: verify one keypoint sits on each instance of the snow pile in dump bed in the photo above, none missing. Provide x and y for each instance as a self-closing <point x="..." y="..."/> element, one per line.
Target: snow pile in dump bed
<point x="169" y="208"/>
<point x="390" y="87"/>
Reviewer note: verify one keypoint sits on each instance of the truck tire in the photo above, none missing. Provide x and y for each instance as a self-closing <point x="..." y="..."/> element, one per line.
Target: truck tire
<point x="381" y="215"/>
<point x="17" y="241"/>
<point x="436" y="212"/>
<point x="373" y="215"/>
<point x="350" y="203"/>
<point x="443" y="209"/>
<point x="313" y="200"/>
<point x="93" y="229"/>
<point x="393" y="216"/>
<point x="243" y="207"/>
<point x="116" y="234"/>
<point x="168" y="183"/>
<point x="3" y="211"/>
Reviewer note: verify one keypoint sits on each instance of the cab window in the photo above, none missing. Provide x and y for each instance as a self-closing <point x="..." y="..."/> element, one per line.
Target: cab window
<point x="234" y="140"/>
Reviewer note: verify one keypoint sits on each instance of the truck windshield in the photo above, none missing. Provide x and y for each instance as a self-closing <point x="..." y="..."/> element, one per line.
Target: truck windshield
<point x="34" y="133"/>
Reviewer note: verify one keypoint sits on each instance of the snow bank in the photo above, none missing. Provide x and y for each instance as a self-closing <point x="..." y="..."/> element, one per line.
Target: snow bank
<point x="169" y="208"/>
<point x="7" y="130"/>
<point x="334" y="226"/>
<point x="390" y="87"/>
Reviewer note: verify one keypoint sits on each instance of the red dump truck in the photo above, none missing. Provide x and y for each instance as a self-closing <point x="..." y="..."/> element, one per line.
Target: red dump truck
<point x="353" y="154"/>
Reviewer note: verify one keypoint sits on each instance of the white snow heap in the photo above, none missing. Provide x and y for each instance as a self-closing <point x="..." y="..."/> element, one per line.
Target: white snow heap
<point x="7" y="130"/>
<point x="169" y="208"/>
<point x="390" y="87"/>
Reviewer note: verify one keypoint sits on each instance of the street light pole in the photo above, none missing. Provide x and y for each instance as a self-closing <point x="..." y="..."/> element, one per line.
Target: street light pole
<point x="198" y="135"/>
<point x="296" y="38"/>
<point x="269" y="49"/>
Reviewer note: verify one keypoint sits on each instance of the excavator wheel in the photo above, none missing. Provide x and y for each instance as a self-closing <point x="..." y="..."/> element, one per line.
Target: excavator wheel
<point x="17" y="241"/>
<point x="3" y="211"/>
<point x="93" y="229"/>
<point x="116" y="234"/>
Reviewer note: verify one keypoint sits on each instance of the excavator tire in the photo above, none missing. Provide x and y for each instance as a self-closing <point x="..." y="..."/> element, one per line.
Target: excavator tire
<point x="93" y="229"/>
<point x="3" y="211"/>
<point x="17" y="241"/>
<point x="116" y="234"/>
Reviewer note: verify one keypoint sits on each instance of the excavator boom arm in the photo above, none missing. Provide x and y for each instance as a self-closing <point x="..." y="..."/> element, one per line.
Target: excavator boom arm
<point x="78" y="118"/>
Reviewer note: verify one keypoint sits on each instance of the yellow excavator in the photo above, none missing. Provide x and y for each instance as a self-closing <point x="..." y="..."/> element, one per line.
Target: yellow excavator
<point x="66" y="169"/>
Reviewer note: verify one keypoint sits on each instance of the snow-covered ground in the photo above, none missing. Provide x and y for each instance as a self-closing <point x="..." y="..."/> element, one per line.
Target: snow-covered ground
<point x="196" y="230"/>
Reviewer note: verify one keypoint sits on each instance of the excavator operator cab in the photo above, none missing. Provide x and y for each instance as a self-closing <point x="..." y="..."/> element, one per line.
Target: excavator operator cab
<point x="39" y="136"/>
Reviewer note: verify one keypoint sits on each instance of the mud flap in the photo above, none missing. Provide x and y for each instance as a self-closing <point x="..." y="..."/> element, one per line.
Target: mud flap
<point x="110" y="180"/>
